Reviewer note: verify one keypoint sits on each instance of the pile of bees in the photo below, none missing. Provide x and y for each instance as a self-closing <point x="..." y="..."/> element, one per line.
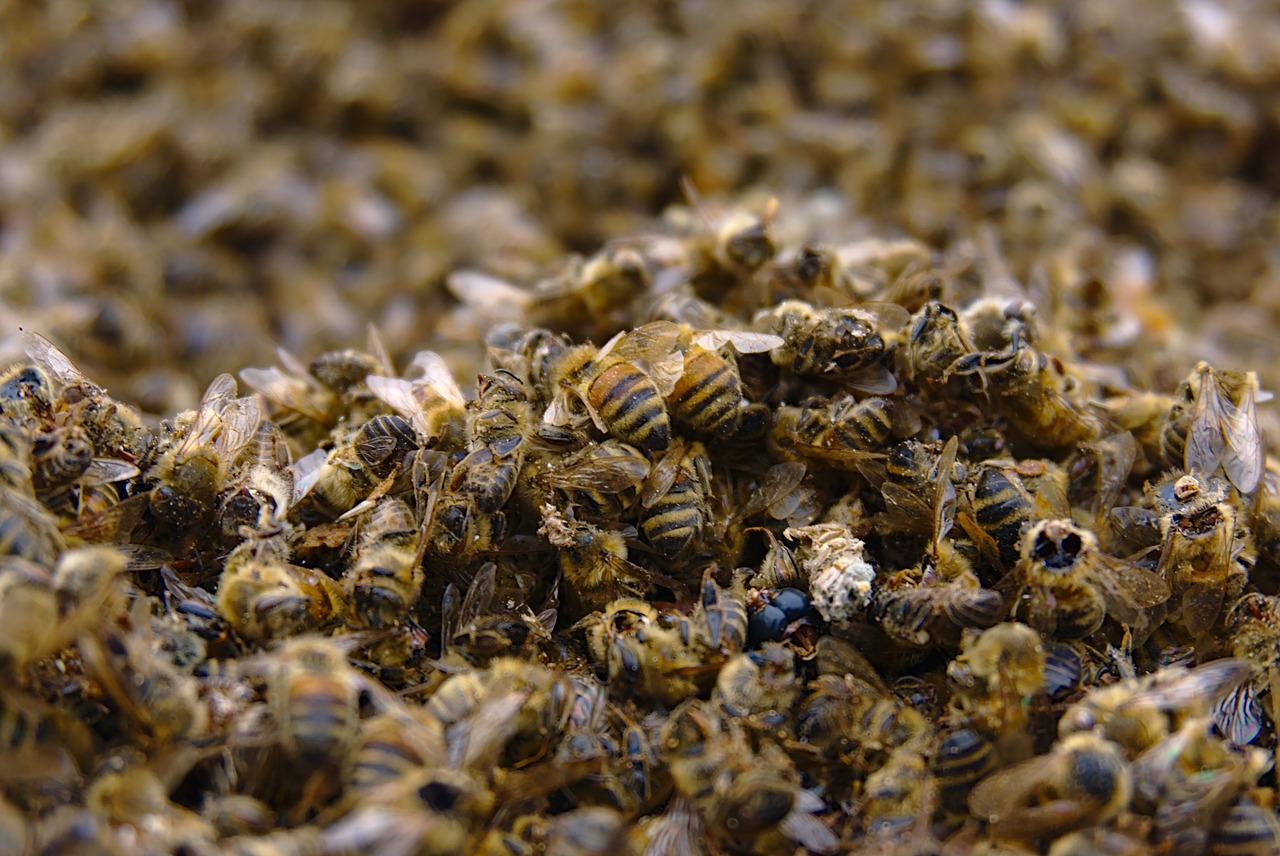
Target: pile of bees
<point x="185" y="184"/>
<point x="823" y="549"/>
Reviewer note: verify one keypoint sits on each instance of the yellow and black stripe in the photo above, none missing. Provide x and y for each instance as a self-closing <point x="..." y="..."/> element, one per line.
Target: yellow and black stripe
<point x="708" y="395"/>
<point x="631" y="407"/>
<point x="675" y="519"/>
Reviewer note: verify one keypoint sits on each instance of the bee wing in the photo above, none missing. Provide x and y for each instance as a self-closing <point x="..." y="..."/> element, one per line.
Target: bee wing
<point x="287" y="391"/>
<point x="482" y="291"/>
<point x="1246" y="456"/>
<point x="644" y="345"/>
<point x="208" y="420"/>
<point x="905" y="509"/>
<point x="678" y="832"/>
<point x="875" y="379"/>
<point x="884" y="315"/>
<point x="1192" y="689"/>
<point x="434" y="372"/>
<point x="944" y="498"/>
<point x="1001" y="793"/>
<point x="114" y="524"/>
<point x="109" y="471"/>
<point x="778" y="483"/>
<point x="607" y="473"/>
<point x="806" y="830"/>
<point x="743" y="342"/>
<point x="662" y="476"/>
<point x="51" y="357"/>
<point x="378" y="349"/>
<point x="973" y="607"/>
<point x="1201" y="605"/>
<point x="1116" y="454"/>
<point x="1221" y="433"/>
<point x="476" y="742"/>
<point x="480" y="593"/>
<point x="240" y="422"/>
<point x="1128" y="588"/>
<point x="142" y="558"/>
<point x="398" y="394"/>
<point x="1239" y="715"/>
<point x="306" y="472"/>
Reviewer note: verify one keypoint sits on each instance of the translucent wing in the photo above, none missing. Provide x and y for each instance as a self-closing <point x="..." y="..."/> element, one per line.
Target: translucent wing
<point x="399" y="395"/>
<point x="482" y="291"/>
<point x="434" y="372"/>
<point x="1129" y="589"/>
<point x="479" y="593"/>
<point x="110" y="470"/>
<point x="240" y="422"/>
<point x="662" y="476"/>
<point x="778" y="483"/>
<point x="875" y="379"/>
<point x="290" y="392"/>
<point x="742" y="341"/>
<point x="306" y="472"/>
<point x="49" y="355"/>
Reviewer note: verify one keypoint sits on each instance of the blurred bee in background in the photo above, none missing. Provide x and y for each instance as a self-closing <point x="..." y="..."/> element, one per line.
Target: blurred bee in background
<point x="1085" y="779"/>
<point x="1064" y="585"/>
<point x="266" y="599"/>
<point x="1138" y="712"/>
<point x="191" y="470"/>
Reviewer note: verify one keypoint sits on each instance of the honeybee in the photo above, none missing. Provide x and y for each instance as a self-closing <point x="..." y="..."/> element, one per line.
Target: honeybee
<point x="482" y="629"/>
<point x="1252" y="633"/>
<point x="745" y="799"/>
<point x="941" y="596"/>
<point x="593" y="294"/>
<point x="963" y="757"/>
<point x="603" y="479"/>
<point x="643" y="652"/>
<point x="432" y="402"/>
<point x="315" y="700"/>
<point x="385" y="578"/>
<point x="844" y="433"/>
<point x="27" y="529"/>
<point x="708" y="396"/>
<point x="1065" y="585"/>
<point x="674" y="497"/>
<point x="1223" y="430"/>
<point x="1083" y="781"/>
<point x="264" y="598"/>
<point x="1187" y="779"/>
<point x="1201" y="541"/>
<point x="622" y="386"/>
<point x="1039" y="396"/>
<point x="159" y="698"/>
<point x="189" y="474"/>
<point x="59" y="456"/>
<point x="897" y="804"/>
<point x="335" y="483"/>
<point x="391" y="746"/>
<point x="259" y="490"/>
<point x="934" y="345"/>
<point x="111" y="428"/>
<point x="1138" y="712"/>
<point x="998" y="671"/>
<point x="303" y="407"/>
<point x="842" y="344"/>
<point x="1247" y="827"/>
<point x="760" y="684"/>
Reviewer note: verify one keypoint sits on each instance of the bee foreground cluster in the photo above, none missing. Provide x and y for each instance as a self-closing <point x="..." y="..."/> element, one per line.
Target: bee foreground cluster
<point x="735" y="545"/>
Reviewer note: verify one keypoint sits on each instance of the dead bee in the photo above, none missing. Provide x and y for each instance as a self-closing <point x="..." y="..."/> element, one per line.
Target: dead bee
<point x="1065" y="585"/>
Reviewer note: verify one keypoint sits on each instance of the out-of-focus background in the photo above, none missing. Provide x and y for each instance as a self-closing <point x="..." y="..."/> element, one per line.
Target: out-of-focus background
<point x="184" y="185"/>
